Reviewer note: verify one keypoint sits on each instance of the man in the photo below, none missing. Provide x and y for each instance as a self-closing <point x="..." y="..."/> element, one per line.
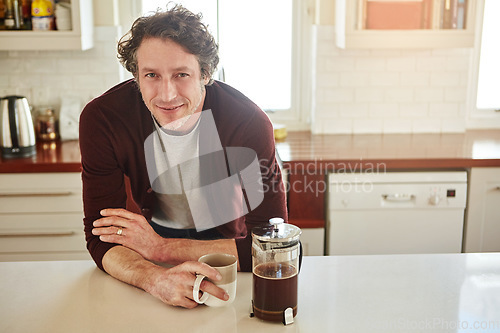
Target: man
<point x="172" y="131"/>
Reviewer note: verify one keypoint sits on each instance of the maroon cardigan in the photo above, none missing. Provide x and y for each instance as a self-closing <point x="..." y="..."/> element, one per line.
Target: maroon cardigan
<point x="113" y="128"/>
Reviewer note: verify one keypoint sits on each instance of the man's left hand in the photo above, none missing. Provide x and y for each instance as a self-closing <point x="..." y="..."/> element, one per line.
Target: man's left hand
<point x="128" y="229"/>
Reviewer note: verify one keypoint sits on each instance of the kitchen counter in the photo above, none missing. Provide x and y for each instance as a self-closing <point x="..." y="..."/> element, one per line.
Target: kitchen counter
<point x="332" y="152"/>
<point x="479" y="148"/>
<point x="391" y="293"/>
<point x="393" y="151"/>
<point x="55" y="156"/>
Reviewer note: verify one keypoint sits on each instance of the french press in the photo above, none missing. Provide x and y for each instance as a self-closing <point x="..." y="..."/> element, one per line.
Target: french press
<point x="275" y="266"/>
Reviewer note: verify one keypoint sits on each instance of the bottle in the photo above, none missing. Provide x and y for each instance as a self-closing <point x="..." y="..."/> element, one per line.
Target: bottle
<point x="2" y="15"/>
<point x="9" y="21"/>
<point x="42" y="12"/>
<point x="25" y="14"/>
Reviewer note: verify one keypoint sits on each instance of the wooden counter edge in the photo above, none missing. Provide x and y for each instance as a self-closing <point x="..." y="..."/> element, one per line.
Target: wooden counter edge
<point x="372" y="165"/>
<point x="39" y="167"/>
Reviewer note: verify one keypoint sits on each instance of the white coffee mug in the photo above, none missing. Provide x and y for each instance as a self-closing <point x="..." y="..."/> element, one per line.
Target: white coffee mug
<point x="227" y="266"/>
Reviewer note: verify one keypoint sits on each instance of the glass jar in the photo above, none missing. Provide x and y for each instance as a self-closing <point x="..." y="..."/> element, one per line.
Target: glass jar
<point x="47" y="124"/>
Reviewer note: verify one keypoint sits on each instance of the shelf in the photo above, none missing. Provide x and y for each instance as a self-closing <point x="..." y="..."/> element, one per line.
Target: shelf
<point x="350" y="34"/>
<point x="80" y="38"/>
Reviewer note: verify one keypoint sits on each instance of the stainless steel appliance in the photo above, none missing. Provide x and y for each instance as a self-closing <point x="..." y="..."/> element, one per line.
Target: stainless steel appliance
<point x="17" y="133"/>
<point x="396" y="212"/>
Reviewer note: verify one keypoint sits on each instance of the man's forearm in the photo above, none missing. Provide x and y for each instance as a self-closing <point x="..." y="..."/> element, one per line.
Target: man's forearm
<point x="176" y="250"/>
<point x="130" y="267"/>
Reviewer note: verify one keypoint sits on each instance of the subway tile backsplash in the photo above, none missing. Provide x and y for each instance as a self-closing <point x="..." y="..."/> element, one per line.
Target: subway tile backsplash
<point x="388" y="91"/>
<point x="46" y="76"/>
<point x="357" y="91"/>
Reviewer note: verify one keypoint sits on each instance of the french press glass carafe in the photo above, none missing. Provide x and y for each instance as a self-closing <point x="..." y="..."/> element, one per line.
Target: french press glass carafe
<point x="275" y="266"/>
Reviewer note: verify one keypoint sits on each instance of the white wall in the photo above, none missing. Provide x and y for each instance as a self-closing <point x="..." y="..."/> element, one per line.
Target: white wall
<point x="388" y="91"/>
<point x="46" y="76"/>
<point x="363" y="91"/>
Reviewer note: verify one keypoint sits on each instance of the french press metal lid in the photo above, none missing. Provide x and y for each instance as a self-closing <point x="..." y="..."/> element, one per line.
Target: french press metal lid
<point x="276" y="235"/>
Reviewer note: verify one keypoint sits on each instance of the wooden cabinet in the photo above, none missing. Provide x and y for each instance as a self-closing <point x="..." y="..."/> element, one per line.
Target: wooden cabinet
<point x="306" y="192"/>
<point x="483" y="213"/>
<point x="405" y="23"/>
<point x="41" y="217"/>
<point x="79" y="38"/>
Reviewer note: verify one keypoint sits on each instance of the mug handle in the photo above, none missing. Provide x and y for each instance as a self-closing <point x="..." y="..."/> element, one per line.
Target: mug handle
<point x="196" y="290"/>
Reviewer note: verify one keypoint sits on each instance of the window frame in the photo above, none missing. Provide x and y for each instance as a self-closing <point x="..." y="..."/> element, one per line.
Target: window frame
<point x="478" y="118"/>
<point x="298" y="116"/>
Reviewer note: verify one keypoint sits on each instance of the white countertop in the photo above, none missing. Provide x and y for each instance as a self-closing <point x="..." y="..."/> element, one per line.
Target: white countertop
<point x="391" y="293"/>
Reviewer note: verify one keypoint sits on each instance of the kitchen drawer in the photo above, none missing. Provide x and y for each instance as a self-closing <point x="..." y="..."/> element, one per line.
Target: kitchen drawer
<point x="39" y="181"/>
<point x="48" y="192"/>
<point x="52" y="221"/>
<point x="44" y="236"/>
<point x="41" y="240"/>
<point x="42" y="202"/>
<point x="41" y="217"/>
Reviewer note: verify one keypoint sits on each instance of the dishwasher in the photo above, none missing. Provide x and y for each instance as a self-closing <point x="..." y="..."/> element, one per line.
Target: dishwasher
<point x="395" y="212"/>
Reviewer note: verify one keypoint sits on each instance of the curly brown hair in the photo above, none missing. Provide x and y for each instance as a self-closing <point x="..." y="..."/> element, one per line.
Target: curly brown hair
<point x="179" y="25"/>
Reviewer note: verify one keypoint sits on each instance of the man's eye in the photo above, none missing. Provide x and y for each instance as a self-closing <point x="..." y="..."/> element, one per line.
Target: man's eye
<point x="183" y="75"/>
<point x="151" y="75"/>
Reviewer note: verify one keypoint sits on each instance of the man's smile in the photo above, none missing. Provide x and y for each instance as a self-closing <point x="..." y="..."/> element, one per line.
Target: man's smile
<point x="170" y="108"/>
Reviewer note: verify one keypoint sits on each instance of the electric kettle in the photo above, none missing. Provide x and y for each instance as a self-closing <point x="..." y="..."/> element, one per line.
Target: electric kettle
<point x="17" y="133"/>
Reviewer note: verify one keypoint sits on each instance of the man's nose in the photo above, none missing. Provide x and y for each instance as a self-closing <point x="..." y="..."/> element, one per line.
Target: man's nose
<point x="168" y="90"/>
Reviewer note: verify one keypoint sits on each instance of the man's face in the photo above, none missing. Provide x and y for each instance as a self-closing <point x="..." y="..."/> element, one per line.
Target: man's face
<point x="170" y="81"/>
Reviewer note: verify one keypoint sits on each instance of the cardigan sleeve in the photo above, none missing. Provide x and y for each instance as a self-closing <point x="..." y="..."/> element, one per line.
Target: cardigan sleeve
<point x="102" y="178"/>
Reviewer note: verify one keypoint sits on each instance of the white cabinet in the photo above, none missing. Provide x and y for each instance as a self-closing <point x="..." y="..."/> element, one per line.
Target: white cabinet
<point x="79" y="38"/>
<point x="483" y="214"/>
<point x="313" y="241"/>
<point x="41" y="217"/>
<point x="405" y="23"/>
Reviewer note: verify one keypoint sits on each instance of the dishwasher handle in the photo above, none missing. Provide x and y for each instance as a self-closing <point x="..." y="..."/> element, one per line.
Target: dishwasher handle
<point x="398" y="197"/>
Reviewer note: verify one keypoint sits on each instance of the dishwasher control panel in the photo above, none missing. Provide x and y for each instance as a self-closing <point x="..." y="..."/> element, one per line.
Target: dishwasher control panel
<point x="446" y="194"/>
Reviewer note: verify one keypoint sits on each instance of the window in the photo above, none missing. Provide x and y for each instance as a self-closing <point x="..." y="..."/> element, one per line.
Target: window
<point x="255" y="39"/>
<point x="484" y="100"/>
<point x="489" y="64"/>
<point x="260" y="46"/>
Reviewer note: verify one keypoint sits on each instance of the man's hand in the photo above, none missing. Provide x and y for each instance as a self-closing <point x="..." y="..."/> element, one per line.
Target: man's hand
<point x="128" y="229"/>
<point x="174" y="286"/>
